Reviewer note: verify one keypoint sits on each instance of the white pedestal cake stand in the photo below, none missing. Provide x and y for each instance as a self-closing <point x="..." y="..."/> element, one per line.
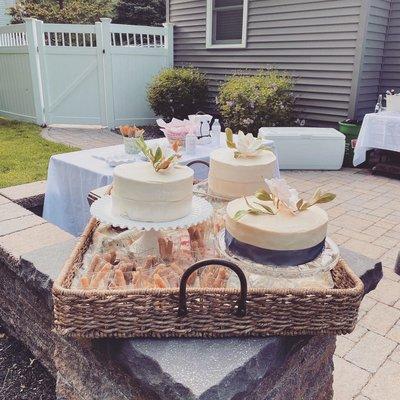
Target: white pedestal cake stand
<point x="147" y="244"/>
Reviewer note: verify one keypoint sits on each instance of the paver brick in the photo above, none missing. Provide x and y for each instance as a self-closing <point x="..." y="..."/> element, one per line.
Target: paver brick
<point x="18" y="192"/>
<point x="18" y="243"/>
<point x="387" y="292"/>
<point x="349" y="221"/>
<point x="348" y="379"/>
<point x="357" y="334"/>
<point x="371" y="351"/>
<point x="343" y="346"/>
<point x="394" y="333"/>
<point x="11" y="210"/>
<point x="368" y="249"/>
<point x="387" y="241"/>
<point x="384" y="385"/>
<point x="395" y="356"/>
<point x="3" y="200"/>
<point x="380" y="318"/>
<point x="367" y="303"/>
<point x="19" y="224"/>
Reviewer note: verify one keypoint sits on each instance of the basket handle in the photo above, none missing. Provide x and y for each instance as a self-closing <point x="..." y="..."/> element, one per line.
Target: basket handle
<point x="240" y="308"/>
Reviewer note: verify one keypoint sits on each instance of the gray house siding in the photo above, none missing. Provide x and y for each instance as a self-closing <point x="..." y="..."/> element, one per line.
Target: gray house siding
<point x="313" y="40"/>
<point x="4" y="18"/>
<point x="341" y="52"/>
<point x="372" y="56"/>
<point x="390" y="76"/>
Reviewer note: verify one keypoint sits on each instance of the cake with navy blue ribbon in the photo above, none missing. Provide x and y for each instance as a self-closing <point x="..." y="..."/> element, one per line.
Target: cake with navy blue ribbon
<point x="276" y="227"/>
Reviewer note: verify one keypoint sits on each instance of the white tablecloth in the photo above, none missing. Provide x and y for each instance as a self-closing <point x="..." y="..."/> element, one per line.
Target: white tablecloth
<point x="378" y="131"/>
<point x="72" y="176"/>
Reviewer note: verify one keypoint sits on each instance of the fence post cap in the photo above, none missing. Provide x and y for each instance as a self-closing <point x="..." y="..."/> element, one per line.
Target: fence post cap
<point x="29" y="19"/>
<point x="106" y="20"/>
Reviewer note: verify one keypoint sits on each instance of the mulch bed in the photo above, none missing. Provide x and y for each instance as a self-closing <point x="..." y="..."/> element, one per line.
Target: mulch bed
<point x="22" y="377"/>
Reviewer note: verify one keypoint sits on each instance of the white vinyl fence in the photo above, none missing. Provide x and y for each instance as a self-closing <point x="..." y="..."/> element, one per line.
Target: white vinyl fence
<point x="81" y="74"/>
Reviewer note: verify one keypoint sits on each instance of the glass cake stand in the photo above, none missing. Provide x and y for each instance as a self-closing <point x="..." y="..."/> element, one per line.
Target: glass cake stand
<point x="313" y="273"/>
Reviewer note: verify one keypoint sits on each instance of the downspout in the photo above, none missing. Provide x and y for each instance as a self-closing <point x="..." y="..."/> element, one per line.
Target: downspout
<point x="359" y="57"/>
<point x="384" y="47"/>
<point x="167" y="11"/>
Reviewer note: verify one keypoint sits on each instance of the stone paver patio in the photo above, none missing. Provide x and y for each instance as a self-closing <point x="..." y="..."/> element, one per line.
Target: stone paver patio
<point x="82" y="137"/>
<point x="365" y="217"/>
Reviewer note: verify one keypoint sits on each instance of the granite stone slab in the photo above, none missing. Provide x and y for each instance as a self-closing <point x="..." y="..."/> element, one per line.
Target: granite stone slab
<point x="217" y="369"/>
<point x="41" y="267"/>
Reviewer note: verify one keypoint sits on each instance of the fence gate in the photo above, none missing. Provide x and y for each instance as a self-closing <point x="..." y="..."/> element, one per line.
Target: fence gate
<point x="72" y="75"/>
<point x="88" y="74"/>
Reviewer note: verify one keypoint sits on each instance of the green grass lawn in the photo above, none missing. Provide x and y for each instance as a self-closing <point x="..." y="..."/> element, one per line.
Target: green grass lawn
<point x="24" y="154"/>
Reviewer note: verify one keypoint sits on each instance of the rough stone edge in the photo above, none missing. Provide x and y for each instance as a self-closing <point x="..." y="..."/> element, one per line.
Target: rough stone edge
<point x="31" y="201"/>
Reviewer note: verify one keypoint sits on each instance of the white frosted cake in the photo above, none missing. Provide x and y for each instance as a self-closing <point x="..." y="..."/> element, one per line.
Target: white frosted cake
<point x="284" y="238"/>
<point x="231" y="177"/>
<point x="143" y="194"/>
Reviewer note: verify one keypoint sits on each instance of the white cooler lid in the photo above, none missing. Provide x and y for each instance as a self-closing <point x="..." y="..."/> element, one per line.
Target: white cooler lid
<point x="300" y="133"/>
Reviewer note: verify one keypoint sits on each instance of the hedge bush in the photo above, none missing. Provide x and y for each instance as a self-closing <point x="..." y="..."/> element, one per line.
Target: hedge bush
<point x="178" y="92"/>
<point x="250" y="102"/>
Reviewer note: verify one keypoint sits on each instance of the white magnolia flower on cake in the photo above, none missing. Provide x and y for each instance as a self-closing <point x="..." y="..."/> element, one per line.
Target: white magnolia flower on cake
<point x="282" y="191"/>
<point x="248" y="145"/>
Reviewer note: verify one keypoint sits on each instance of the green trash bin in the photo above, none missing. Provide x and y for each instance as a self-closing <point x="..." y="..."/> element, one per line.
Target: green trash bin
<point x="351" y="129"/>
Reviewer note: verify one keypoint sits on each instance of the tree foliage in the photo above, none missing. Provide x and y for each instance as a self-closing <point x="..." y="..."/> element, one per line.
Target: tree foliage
<point x="140" y="12"/>
<point x="62" y="11"/>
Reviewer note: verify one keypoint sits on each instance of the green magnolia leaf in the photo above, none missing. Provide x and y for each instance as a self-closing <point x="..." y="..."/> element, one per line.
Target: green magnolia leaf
<point x="158" y="155"/>
<point x="263" y="195"/>
<point x="256" y="211"/>
<point x="142" y="146"/>
<point x="299" y="204"/>
<point x="317" y="194"/>
<point x="303" y="206"/>
<point x="325" y="198"/>
<point x="240" y="214"/>
<point x="269" y="210"/>
<point x="236" y="154"/>
<point x="248" y="203"/>
<point x="229" y="138"/>
<point x="264" y="147"/>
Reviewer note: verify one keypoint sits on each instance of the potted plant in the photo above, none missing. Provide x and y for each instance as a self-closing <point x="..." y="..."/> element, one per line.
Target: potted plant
<point x="350" y="128"/>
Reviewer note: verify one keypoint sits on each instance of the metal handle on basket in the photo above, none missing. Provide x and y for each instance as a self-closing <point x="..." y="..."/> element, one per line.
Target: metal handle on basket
<point x="240" y="310"/>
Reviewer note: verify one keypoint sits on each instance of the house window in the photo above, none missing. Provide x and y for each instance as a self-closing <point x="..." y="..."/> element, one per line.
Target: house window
<point x="226" y="23"/>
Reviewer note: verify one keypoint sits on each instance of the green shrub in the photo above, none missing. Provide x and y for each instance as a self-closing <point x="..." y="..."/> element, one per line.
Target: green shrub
<point x="250" y="102"/>
<point x="178" y="92"/>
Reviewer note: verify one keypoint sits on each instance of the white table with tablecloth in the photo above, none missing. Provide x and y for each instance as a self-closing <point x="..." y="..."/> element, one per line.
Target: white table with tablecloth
<point x="378" y="131"/>
<point x="72" y="176"/>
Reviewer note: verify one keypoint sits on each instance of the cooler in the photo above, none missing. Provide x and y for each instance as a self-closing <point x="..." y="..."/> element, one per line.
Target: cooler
<point x="307" y="148"/>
